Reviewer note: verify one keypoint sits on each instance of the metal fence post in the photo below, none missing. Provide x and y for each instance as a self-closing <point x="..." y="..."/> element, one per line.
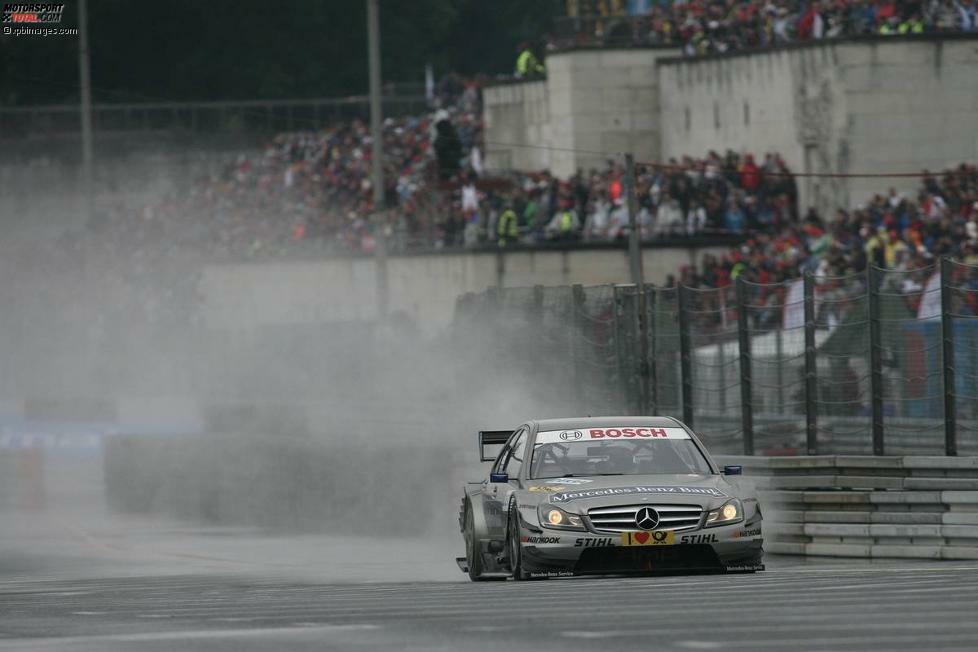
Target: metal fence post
<point x="947" y="358"/>
<point x="685" y="353"/>
<point x="779" y="370"/>
<point x="746" y="395"/>
<point x="536" y="319"/>
<point x="619" y="348"/>
<point x="650" y="353"/>
<point x="811" y="370"/>
<point x="577" y="333"/>
<point x="722" y="380"/>
<point x="492" y="301"/>
<point x="642" y="340"/>
<point x="491" y="316"/>
<point x="538" y="305"/>
<point x="875" y="361"/>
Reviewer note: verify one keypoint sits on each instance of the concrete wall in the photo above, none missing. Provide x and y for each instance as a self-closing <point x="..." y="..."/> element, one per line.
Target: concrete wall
<point x="911" y="106"/>
<point x="517" y="113"/>
<point x="845" y="107"/>
<point x="247" y="296"/>
<point x="866" y="105"/>
<point x="599" y="101"/>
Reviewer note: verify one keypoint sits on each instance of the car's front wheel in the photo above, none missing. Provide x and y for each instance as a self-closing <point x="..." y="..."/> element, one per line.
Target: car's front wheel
<point x="515" y="550"/>
<point x="473" y="557"/>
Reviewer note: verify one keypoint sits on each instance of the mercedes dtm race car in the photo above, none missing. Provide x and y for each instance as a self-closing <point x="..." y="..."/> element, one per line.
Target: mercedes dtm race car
<point x="605" y="495"/>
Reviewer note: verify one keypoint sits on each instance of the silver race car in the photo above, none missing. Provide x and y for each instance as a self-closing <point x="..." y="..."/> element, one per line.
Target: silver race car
<point x="605" y="495"/>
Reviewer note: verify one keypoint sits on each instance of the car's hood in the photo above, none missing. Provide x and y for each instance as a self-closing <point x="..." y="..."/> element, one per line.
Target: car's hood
<point x="575" y="494"/>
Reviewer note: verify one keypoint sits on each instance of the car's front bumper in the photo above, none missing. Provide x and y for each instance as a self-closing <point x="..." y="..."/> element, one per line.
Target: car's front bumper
<point x="733" y="548"/>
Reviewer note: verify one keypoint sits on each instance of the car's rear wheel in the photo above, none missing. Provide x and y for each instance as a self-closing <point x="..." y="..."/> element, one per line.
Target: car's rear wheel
<point x="515" y="550"/>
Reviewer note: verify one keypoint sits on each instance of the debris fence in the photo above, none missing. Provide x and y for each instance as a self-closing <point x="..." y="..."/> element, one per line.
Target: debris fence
<point x="881" y="362"/>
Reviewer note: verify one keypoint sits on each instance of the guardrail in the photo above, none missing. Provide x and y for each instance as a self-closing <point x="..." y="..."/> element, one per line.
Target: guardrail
<point x="867" y="506"/>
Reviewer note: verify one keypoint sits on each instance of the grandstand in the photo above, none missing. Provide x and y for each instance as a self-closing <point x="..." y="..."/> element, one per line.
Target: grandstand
<point x="746" y="203"/>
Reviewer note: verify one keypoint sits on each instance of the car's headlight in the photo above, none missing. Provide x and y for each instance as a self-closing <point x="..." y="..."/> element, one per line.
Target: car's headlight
<point x="558" y="519"/>
<point x="731" y="512"/>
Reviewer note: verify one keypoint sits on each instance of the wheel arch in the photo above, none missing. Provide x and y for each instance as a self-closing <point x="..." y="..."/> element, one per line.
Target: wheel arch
<point x="473" y="501"/>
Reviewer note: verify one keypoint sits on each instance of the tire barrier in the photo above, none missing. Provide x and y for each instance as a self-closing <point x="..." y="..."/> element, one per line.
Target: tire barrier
<point x="867" y="506"/>
<point x="292" y="483"/>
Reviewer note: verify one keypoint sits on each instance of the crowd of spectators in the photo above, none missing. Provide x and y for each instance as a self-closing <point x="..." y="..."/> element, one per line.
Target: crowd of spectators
<point x="312" y="192"/>
<point x="730" y="193"/>
<point x="902" y="234"/>
<point x="313" y="189"/>
<point x="717" y="26"/>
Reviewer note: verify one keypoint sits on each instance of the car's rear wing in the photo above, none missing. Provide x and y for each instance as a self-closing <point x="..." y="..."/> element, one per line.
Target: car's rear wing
<point x="492" y="438"/>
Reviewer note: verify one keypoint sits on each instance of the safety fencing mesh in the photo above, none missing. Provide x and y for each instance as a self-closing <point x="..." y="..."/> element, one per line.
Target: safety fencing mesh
<point x="842" y="364"/>
<point x="910" y="358"/>
<point x="713" y="372"/>
<point x="852" y="364"/>
<point x="961" y="314"/>
<point x="776" y="359"/>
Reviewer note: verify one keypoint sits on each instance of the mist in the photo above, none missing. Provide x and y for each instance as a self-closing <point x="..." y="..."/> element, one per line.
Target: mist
<point x="124" y="404"/>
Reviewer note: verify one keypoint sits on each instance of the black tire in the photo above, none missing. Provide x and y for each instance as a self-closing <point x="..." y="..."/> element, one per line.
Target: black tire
<point x="472" y="556"/>
<point x="513" y="541"/>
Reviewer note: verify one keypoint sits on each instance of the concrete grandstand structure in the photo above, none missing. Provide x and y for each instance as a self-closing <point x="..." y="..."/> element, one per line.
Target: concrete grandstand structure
<point x="844" y="106"/>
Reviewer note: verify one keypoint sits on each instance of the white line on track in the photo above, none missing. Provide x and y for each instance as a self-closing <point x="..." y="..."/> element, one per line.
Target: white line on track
<point x="189" y="635"/>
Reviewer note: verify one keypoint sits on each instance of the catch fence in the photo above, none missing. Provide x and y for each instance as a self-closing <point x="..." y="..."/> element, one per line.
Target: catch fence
<point x="878" y="362"/>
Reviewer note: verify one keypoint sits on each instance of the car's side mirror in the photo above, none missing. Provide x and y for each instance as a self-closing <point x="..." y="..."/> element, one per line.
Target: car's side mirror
<point x="498" y="477"/>
<point x="733" y="469"/>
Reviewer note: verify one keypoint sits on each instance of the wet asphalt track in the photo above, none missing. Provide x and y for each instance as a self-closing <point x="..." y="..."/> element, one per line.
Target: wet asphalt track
<point x="78" y="578"/>
<point x="798" y="607"/>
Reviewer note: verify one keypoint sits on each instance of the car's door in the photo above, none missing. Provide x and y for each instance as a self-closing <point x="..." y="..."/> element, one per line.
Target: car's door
<point x="510" y="461"/>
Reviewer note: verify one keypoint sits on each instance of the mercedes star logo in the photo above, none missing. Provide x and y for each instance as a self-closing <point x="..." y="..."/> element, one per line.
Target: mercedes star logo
<point x="646" y="518"/>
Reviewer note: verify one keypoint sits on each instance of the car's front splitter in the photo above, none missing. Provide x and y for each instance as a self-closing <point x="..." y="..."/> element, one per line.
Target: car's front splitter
<point x="726" y="549"/>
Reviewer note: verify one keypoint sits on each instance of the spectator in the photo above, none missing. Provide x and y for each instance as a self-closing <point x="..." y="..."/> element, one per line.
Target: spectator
<point x="564" y="225"/>
<point x="669" y="218"/>
<point x="750" y="174"/>
<point x="695" y="218"/>
<point x="448" y="146"/>
<point x="507" y="228"/>
<point x="527" y="63"/>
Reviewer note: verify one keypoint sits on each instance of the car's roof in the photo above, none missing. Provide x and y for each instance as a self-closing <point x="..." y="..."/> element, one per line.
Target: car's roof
<point x="574" y="423"/>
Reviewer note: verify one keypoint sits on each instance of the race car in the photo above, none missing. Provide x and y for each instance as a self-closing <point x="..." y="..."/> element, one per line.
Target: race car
<point x="605" y="495"/>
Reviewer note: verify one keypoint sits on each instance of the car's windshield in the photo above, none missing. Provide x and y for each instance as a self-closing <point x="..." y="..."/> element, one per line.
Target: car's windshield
<point x="556" y="457"/>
